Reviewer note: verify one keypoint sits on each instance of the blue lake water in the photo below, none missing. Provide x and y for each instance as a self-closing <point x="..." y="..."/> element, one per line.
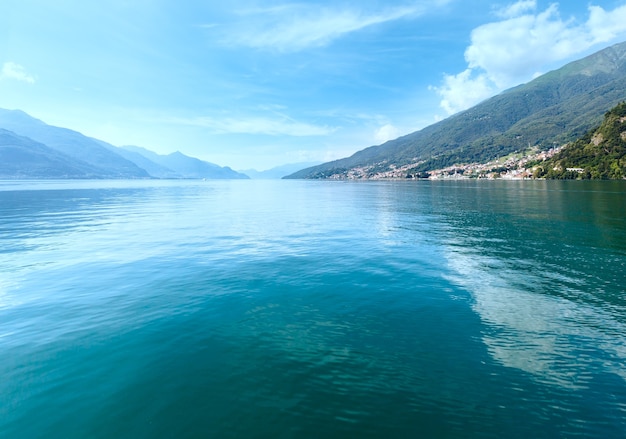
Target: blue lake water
<point x="304" y="309"/>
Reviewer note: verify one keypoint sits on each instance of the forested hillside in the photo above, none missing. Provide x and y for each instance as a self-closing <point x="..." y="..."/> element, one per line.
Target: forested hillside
<point x="599" y="154"/>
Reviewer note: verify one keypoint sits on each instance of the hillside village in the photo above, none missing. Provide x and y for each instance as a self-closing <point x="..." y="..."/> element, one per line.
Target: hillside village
<point x="516" y="166"/>
<point x="512" y="167"/>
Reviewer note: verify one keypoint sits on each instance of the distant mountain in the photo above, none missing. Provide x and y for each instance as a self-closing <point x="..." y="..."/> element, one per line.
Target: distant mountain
<point x="21" y="157"/>
<point x="187" y="167"/>
<point x="555" y="108"/>
<point x="32" y="149"/>
<point x="599" y="154"/>
<point x="155" y="170"/>
<point x="278" y="171"/>
<point x="105" y="163"/>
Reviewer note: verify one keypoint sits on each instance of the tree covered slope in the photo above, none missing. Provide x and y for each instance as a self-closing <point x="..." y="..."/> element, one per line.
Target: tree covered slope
<point x="599" y="154"/>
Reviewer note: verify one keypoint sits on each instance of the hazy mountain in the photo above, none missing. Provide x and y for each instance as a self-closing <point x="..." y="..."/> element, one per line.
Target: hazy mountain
<point x="105" y="163"/>
<point x="31" y="148"/>
<point x="154" y="169"/>
<point x="21" y="157"/>
<point x="187" y="167"/>
<point x="555" y="108"/>
<point x="278" y="171"/>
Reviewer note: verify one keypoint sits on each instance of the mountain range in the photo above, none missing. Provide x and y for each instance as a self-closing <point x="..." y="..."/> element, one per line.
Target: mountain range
<point x="278" y="171"/>
<point x="553" y="109"/>
<point x="30" y="148"/>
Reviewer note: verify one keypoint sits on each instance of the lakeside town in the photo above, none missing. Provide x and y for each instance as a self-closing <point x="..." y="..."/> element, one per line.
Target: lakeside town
<point x="516" y="166"/>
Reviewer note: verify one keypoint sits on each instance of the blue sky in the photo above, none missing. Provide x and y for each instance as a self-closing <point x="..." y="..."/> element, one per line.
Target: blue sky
<point x="256" y="84"/>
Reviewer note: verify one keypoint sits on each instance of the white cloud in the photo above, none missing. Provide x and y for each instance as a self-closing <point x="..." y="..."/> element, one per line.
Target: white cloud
<point x="511" y="51"/>
<point x="517" y="9"/>
<point x="295" y="27"/>
<point x="385" y="133"/>
<point x="277" y="126"/>
<point x="11" y="70"/>
<point x="606" y="25"/>
<point x="463" y="90"/>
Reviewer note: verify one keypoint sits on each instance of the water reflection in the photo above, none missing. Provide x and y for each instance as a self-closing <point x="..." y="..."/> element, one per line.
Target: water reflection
<point x="548" y="283"/>
<point x="548" y="336"/>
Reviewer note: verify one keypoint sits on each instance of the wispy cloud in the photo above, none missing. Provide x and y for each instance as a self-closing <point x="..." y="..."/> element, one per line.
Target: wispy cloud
<point x="278" y="125"/>
<point x="514" y="50"/>
<point x="294" y="27"/>
<point x="516" y="9"/>
<point x="11" y="70"/>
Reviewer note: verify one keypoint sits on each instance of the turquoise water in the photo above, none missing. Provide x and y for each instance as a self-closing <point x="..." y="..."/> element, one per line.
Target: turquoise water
<point x="298" y="309"/>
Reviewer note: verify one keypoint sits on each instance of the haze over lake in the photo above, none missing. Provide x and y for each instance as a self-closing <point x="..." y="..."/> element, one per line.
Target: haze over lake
<point x="480" y="309"/>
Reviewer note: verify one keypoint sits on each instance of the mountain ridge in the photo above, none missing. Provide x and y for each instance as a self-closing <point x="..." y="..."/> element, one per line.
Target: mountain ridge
<point x="29" y="146"/>
<point x="184" y="165"/>
<point x="22" y="157"/>
<point x="72" y="144"/>
<point x="554" y="108"/>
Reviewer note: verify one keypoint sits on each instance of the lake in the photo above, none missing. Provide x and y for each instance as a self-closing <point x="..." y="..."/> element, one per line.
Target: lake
<point x="312" y="309"/>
